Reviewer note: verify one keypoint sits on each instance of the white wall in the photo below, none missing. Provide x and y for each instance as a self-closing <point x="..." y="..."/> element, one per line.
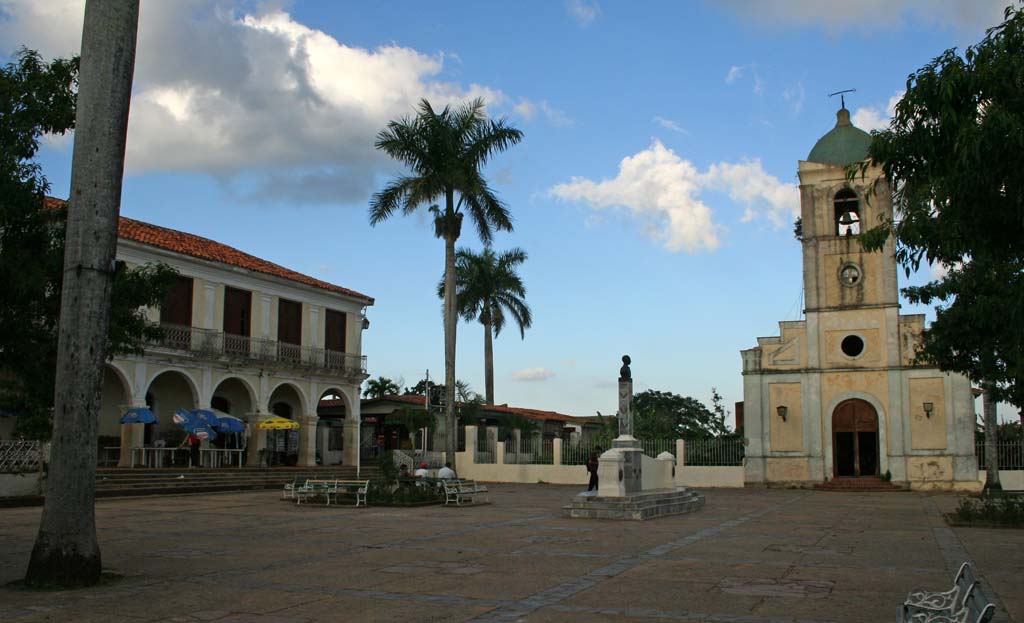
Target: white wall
<point x="1010" y="480"/>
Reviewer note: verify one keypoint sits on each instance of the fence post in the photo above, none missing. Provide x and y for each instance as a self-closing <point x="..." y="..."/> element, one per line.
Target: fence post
<point x="556" y="451"/>
<point x="680" y="453"/>
<point x="499" y="453"/>
<point x="471" y="444"/>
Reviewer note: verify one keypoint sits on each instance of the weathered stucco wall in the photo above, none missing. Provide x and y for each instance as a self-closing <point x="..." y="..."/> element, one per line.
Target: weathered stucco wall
<point x="927" y="433"/>
<point x="788" y="435"/>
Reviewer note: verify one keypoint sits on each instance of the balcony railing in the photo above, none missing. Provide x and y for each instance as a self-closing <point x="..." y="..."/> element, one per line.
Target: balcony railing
<point x="213" y="344"/>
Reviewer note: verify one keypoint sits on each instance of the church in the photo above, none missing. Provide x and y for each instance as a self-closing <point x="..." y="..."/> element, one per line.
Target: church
<point x="838" y="395"/>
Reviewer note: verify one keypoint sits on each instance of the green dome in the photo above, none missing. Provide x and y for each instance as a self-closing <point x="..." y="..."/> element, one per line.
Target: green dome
<point x="843" y="145"/>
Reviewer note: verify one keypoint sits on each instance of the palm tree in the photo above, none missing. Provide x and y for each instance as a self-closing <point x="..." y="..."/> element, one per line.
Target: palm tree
<point x="488" y="287"/>
<point x="446" y="152"/>
<point x="66" y="552"/>
<point x="380" y="387"/>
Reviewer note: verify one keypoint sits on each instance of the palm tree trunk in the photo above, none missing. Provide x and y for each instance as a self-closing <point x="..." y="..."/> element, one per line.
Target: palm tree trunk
<point x="450" y="321"/>
<point x="988" y="406"/>
<point x="488" y="356"/>
<point x="66" y="552"/>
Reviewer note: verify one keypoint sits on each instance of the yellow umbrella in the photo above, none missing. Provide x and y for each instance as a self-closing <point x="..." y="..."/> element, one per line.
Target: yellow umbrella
<point x="278" y="423"/>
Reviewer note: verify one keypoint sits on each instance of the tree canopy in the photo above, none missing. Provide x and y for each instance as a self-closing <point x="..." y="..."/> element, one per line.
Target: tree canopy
<point x="38" y="98"/>
<point x="380" y="387"/>
<point x="664" y="415"/>
<point x="954" y="153"/>
<point x="488" y="287"/>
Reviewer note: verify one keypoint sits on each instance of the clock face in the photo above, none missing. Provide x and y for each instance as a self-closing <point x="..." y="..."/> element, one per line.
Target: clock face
<point x="849" y="275"/>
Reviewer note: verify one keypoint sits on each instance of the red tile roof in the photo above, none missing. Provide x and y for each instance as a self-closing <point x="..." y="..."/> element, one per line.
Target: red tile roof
<point x="532" y="414"/>
<point x="206" y="249"/>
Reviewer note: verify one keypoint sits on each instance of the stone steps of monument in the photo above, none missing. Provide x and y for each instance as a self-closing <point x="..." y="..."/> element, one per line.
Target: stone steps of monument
<point x="860" y="484"/>
<point x="640" y="507"/>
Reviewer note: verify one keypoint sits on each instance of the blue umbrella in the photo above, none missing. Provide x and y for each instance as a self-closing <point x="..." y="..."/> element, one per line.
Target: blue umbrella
<point x="228" y="423"/>
<point x="207" y="417"/>
<point x="193" y="424"/>
<point x="139" y="415"/>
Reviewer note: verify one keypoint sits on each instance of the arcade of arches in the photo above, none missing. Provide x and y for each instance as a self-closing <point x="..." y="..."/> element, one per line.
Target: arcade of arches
<point x="320" y="439"/>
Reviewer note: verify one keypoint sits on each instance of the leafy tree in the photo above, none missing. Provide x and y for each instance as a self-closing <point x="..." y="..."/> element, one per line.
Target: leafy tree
<point x="412" y="420"/>
<point x="446" y="153"/>
<point x="660" y="415"/>
<point x="380" y="387"/>
<point x="488" y="287"/>
<point x="954" y="152"/>
<point x="38" y="98"/>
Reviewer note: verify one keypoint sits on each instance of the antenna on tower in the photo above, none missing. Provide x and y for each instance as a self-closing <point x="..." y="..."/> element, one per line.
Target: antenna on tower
<point x="842" y="97"/>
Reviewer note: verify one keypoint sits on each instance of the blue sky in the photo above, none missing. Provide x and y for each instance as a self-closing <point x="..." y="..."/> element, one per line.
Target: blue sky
<point x="654" y="189"/>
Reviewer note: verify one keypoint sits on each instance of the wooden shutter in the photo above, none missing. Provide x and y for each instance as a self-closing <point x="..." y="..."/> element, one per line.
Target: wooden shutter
<point x="237" y="306"/>
<point x="176" y="308"/>
<point x="289" y="322"/>
<point x="335" y="331"/>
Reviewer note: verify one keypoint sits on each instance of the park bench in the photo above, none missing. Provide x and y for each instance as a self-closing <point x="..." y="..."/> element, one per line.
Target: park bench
<point x="965" y="602"/>
<point x="464" y="492"/>
<point x="333" y="488"/>
<point x="290" y="488"/>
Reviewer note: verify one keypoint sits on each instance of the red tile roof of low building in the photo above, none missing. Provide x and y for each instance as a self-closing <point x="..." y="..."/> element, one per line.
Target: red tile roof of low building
<point x="206" y="249"/>
<point x="532" y="414"/>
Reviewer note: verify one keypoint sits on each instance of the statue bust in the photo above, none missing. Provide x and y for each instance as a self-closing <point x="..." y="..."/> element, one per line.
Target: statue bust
<point x="624" y="372"/>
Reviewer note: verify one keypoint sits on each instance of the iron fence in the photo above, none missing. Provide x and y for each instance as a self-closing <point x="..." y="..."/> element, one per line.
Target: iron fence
<point x="530" y="451"/>
<point x="1010" y="453"/>
<point x="109" y="456"/>
<point x="578" y="452"/>
<point x="486" y="450"/>
<point x="216" y="344"/>
<point x="20" y="456"/>
<point x="654" y="447"/>
<point x="713" y="452"/>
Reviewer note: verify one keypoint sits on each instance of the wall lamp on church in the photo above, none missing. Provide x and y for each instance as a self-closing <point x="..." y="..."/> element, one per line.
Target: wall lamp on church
<point x="782" y="410"/>
<point x="928" y="408"/>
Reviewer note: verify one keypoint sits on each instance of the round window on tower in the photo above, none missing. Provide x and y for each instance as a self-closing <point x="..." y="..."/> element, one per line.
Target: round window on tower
<point x="852" y="345"/>
<point x="849" y="274"/>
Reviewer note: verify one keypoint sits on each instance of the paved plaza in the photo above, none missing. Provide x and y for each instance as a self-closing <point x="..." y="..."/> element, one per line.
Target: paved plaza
<point x="750" y="556"/>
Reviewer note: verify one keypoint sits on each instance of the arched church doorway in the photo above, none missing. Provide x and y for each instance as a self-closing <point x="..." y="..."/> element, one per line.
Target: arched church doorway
<point x="855" y="439"/>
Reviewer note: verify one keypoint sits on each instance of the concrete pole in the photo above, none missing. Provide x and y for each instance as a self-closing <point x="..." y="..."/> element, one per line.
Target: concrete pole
<point x="66" y="551"/>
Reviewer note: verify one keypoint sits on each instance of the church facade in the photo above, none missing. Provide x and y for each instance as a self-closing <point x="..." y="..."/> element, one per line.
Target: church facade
<point x="838" y="394"/>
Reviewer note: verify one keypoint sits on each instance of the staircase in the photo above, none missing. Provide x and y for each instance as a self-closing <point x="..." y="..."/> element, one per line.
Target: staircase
<point x="859" y="484"/>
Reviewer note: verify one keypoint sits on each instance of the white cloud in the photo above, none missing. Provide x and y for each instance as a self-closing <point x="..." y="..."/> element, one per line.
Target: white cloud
<point x="669" y="124"/>
<point x="533" y="374"/>
<point x="870" y="15"/>
<point x="257" y="96"/>
<point x="583" y="11"/>
<point x="795" y="96"/>
<point x="529" y="109"/>
<point x="870" y="118"/>
<point x="664" y="192"/>
<point x="735" y="73"/>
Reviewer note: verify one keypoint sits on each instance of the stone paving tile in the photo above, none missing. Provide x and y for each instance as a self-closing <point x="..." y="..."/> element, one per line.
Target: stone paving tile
<point x="749" y="556"/>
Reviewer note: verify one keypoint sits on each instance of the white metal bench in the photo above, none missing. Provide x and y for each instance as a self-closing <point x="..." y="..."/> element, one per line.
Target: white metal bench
<point x="465" y="492"/>
<point x="332" y="489"/>
<point x="291" y="487"/>
<point x="965" y="602"/>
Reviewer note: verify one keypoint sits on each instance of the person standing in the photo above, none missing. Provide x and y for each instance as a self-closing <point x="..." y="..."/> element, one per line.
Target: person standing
<point x="194" y="443"/>
<point x="592" y="464"/>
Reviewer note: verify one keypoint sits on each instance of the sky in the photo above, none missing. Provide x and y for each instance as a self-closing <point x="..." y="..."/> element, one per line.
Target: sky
<point x="654" y="189"/>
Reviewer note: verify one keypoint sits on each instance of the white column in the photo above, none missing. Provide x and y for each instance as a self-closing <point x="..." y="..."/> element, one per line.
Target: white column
<point x="257" y="439"/>
<point x="307" y="440"/>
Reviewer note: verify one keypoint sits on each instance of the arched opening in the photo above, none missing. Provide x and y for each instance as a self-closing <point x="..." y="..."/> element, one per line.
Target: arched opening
<point x="332" y="411"/>
<point x="115" y="397"/>
<point x="847" y="213"/>
<point x="855" y="439"/>
<point x="168" y="392"/>
<point x="285" y="401"/>
<point x="234" y="397"/>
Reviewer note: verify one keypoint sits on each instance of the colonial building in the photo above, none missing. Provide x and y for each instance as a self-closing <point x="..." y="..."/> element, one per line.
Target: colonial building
<point x="838" y="394"/>
<point x="246" y="337"/>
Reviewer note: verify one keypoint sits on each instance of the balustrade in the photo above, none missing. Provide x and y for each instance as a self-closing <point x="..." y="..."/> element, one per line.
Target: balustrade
<point x="218" y="344"/>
